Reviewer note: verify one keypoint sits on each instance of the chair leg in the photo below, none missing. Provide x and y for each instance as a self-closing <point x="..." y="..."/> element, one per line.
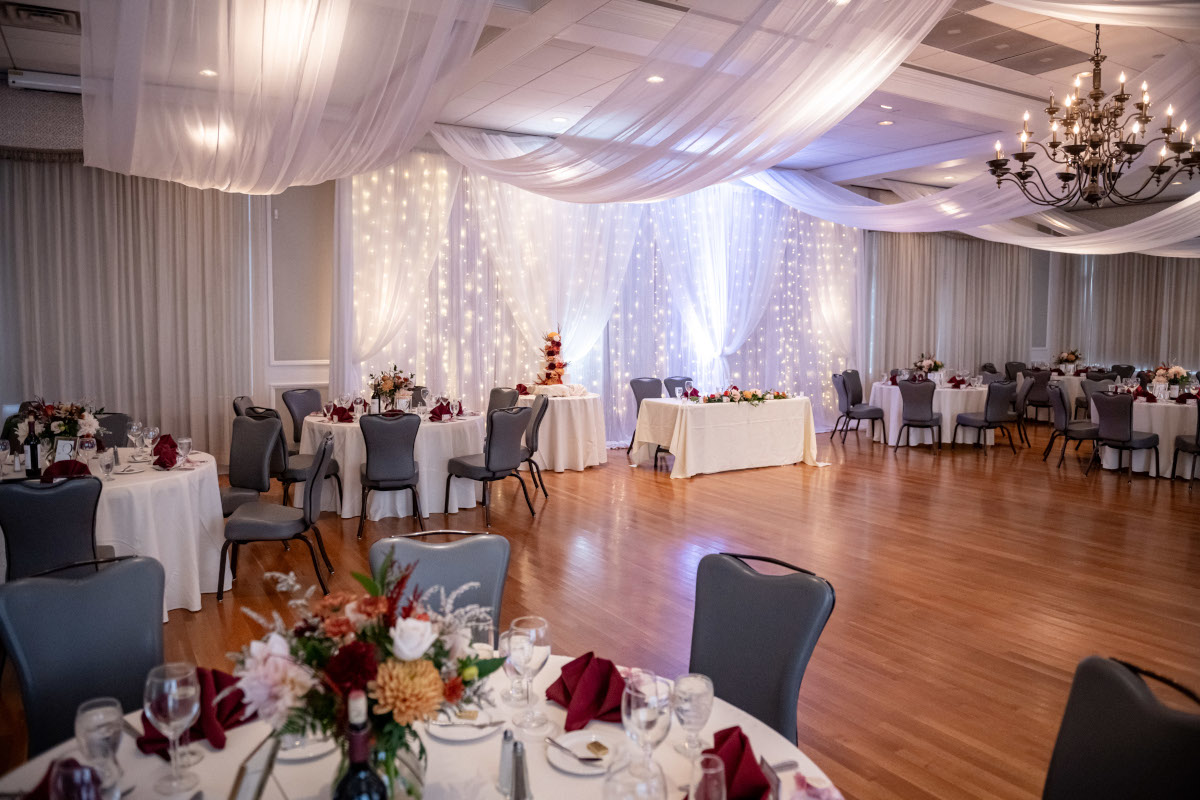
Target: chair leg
<point x="938" y="431"/>
<point x="1174" y="463"/>
<point x="845" y="430"/>
<point x="316" y="566"/>
<point x="338" y="480"/>
<point x="1195" y="463"/>
<point x="287" y="548"/>
<point x="321" y="544"/>
<point x="221" y="571"/>
<point x="541" y="480"/>
<point x="362" y="511"/>
<point x="1157" y="472"/>
<point x="1049" y="445"/>
<point x="487" y="506"/>
<point x="448" y="477"/>
<point x="233" y="559"/>
<point x="899" y="436"/>
<point x="525" y="491"/>
<point x="836" y="424"/>
<point x="1095" y="454"/>
<point x="1010" y="441"/>
<point x="954" y="436"/>
<point x="979" y="439"/>
<point x="885" y="441"/>
<point x="417" y="506"/>
<point x="630" y="448"/>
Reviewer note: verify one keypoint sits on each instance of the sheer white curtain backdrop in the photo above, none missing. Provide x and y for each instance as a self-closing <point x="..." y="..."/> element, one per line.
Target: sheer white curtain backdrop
<point x="254" y="97"/>
<point x="1144" y="13"/>
<point x="131" y="292"/>
<point x="731" y="90"/>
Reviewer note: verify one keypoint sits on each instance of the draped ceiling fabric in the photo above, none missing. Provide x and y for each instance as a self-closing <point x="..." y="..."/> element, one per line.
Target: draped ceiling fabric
<point x="1143" y="13"/>
<point x="254" y="97"/>
<point x="738" y="94"/>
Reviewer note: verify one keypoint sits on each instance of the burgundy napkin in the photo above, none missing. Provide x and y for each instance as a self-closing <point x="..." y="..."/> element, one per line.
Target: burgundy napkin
<point x="744" y="779"/>
<point x="342" y="414"/>
<point x="42" y="790"/>
<point x="957" y="382"/>
<point x="522" y="389"/>
<point x="1184" y="397"/>
<point x="65" y="469"/>
<point x="440" y="411"/>
<point x="166" y="451"/>
<point x="214" y="719"/>
<point x="589" y="688"/>
<point x="1057" y="371"/>
<point x="393" y="412"/>
<point x="892" y="380"/>
<point x="694" y="393"/>
<point x="1140" y="392"/>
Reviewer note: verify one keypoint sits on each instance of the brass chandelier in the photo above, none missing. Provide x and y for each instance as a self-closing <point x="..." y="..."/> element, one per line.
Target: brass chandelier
<point x="1098" y="147"/>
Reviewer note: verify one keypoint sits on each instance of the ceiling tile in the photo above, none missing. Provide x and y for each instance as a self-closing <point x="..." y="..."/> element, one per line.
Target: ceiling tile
<point x="1002" y="45"/>
<point x="921" y="51"/>
<point x="1060" y="32"/>
<point x="1008" y="17"/>
<point x="547" y="57"/>
<point x="486" y="91"/>
<point x="968" y="5"/>
<point x="601" y="67"/>
<point x="1047" y="59"/>
<point x="563" y="83"/>
<point x="534" y="98"/>
<point x="951" y="63"/>
<point x="514" y="75"/>
<point x="953" y="32"/>
<point x="460" y="107"/>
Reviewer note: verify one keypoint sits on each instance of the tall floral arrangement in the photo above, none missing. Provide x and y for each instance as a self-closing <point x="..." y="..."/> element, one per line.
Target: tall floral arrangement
<point x="1172" y="374"/>
<point x="553" y="367"/>
<point x="928" y="363"/>
<point x="412" y="659"/>
<point x="1068" y="357"/>
<point x="387" y="383"/>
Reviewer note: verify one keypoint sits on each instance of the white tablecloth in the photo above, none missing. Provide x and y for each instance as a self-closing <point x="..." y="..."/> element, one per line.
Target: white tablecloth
<point x="717" y="437"/>
<point x="437" y="443"/>
<point x="464" y="771"/>
<point x="1166" y="418"/>
<point x="572" y="434"/>
<point x="174" y="517"/>
<point x="949" y="402"/>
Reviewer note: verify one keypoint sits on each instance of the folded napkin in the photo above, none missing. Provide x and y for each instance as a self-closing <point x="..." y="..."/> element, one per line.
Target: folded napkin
<point x="522" y="389"/>
<point x="342" y="414"/>
<point x="42" y="790"/>
<point x="694" y="393"/>
<point x="1057" y="371"/>
<point x="744" y="779"/>
<point x="1144" y="393"/>
<point x="442" y="411"/>
<point x="215" y="717"/>
<point x="165" y="451"/>
<point x="588" y="688"/>
<point x="893" y="380"/>
<point x="957" y="382"/>
<point x="69" y="468"/>
<point x="1184" y="397"/>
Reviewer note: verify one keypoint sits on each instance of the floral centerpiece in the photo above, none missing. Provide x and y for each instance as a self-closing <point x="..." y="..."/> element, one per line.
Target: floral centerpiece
<point x="52" y="420"/>
<point x="928" y="364"/>
<point x="1068" y="358"/>
<point x="1174" y="376"/>
<point x="388" y="383"/>
<point x="553" y="367"/>
<point x="752" y="396"/>
<point x="412" y="660"/>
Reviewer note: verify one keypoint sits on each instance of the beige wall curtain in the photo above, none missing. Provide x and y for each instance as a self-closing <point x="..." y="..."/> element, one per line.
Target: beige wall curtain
<point x="131" y="292"/>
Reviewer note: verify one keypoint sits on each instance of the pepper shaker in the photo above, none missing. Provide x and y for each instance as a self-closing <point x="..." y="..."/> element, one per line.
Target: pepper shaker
<point x="504" y="783"/>
<point x="520" y="770"/>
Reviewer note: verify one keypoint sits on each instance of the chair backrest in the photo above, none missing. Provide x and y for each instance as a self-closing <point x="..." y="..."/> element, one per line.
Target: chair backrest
<point x="1000" y="395"/>
<point x="1040" y="380"/>
<point x="854" y="386"/>
<point x="279" y="456"/>
<point x="502" y="397"/>
<point x="673" y="382"/>
<point x="1100" y="375"/>
<point x="917" y="399"/>
<point x="1061" y="417"/>
<point x="1124" y="371"/>
<point x="541" y="404"/>
<point x="314" y="481"/>
<point x="240" y="404"/>
<point x="1011" y="368"/>
<point x="251" y="447"/>
<point x="417" y="398"/>
<point x="300" y="403"/>
<point x="1116" y="416"/>
<point x="987" y="366"/>
<point x="477" y="558"/>
<point x="1023" y="396"/>
<point x="116" y="428"/>
<point x="843" y="394"/>
<point x="47" y="525"/>
<point x="505" y="429"/>
<point x="643" y="388"/>
<point x="1117" y="739"/>
<point x="391" y="440"/>
<point x="72" y="639"/>
<point x="1090" y="387"/>
<point x="992" y="377"/>
<point x="753" y="634"/>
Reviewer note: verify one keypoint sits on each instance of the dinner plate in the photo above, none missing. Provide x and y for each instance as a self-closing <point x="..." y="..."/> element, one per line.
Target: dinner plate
<point x="577" y="742"/>
<point x="464" y="730"/>
<point x="128" y="469"/>
<point x="307" y="750"/>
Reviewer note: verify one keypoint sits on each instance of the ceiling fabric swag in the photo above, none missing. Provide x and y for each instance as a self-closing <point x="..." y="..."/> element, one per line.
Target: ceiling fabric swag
<point x="254" y="97"/>
<point x="720" y="97"/>
<point x="1143" y="13"/>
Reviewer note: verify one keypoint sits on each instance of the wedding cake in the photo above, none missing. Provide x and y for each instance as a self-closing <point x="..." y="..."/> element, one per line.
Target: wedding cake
<point x="553" y="370"/>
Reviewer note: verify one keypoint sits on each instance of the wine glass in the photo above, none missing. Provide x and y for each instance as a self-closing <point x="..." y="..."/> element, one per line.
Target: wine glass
<point x="514" y="695"/>
<point x="5" y="449"/>
<point x="87" y="449"/>
<point x="708" y="778"/>
<point x="692" y="702"/>
<point x="403" y="403"/>
<point x="185" y="448"/>
<point x="70" y="780"/>
<point x="646" y="712"/>
<point x="687" y="388"/>
<point x="679" y="393"/>
<point x="150" y="435"/>
<point x="106" y="463"/>
<point x="528" y="649"/>
<point x="98" y="733"/>
<point x="172" y="702"/>
<point x="629" y="781"/>
<point x="327" y="407"/>
<point x="135" y="435"/>
<point x="456" y="407"/>
<point x="425" y="395"/>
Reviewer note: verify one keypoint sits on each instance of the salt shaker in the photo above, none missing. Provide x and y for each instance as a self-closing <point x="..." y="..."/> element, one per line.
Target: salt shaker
<point x="505" y="782"/>
<point x="520" y="770"/>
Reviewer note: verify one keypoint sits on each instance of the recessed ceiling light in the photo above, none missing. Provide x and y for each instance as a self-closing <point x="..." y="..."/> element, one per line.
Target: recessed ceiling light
<point x="208" y="73"/>
<point x="558" y="119"/>
<point x="655" y="79"/>
<point x="948" y="178"/>
<point x="884" y="122"/>
<point x="954" y="31"/>
<point x="885" y="108"/>
<point x="1177" y="183"/>
<point x="1045" y="60"/>
<point x="1002" y="46"/>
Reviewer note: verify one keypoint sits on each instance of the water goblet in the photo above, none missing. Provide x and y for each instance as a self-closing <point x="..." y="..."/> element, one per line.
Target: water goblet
<point x="70" y="780"/>
<point x="679" y="393"/>
<point x="185" y="448"/>
<point x="135" y="435"/>
<point x="687" y="388"/>
<point x="327" y="407"/>
<point x="106" y="463"/>
<point x="708" y="778"/>
<point x="692" y="702"/>
<point x="646" y="712"/>
<point x="172" y="703"/>
<point x="514" y="695"/>
<point x="425" y="395"/>
<point x="528" y="649"/>
<point x="98" y="734"/>
<point x="627" y="780"/>
<point x="5" y="449"/>
<point x="87" y="449"/>
<point x="150" y="435"/>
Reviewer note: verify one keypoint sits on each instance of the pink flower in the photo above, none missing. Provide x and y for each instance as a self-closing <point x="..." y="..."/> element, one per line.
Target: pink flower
<point x="271" y="680"/>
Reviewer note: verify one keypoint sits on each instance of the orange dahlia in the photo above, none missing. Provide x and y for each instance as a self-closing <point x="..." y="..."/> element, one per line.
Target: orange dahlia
<point x="410" y="690"/>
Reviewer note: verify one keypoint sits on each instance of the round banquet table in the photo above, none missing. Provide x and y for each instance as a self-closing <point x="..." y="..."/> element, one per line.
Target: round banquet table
<point x="172" y="516"/>
<point x="455" y="771"/>
<point x="1166" y="418"/>
<point x="950" y="402"/>
<point x="572" y="433"/>
<point x="437" y="443"/>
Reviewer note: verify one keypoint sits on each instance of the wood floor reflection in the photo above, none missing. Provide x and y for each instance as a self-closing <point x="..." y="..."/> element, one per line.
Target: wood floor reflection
<point x="968" y="587"/>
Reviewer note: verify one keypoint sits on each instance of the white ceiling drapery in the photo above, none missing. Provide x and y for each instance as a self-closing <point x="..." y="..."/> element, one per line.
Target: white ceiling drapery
<point x="1143" y="13"/>
<point x="743" y="87"/>
<point x="254" y="97"/>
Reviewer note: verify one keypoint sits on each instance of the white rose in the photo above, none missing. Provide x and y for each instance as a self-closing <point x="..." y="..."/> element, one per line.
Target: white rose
<point x="57" y="427"/>
<point x="411" y="638"/>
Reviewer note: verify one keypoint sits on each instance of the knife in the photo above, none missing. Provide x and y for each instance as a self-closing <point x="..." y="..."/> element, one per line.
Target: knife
<point x="439" y="724"/>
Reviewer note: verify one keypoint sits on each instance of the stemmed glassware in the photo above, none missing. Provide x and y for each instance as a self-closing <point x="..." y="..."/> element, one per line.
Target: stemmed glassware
<point x="185" y="449"/>
<point x="514" y="695"/>
<point x="528" y="650"/>
<point x="708" y="778"/>
<point x="70" y="781"/>
<point x="150" y="435"/>
<point x="646" y="713"/>
<point x="172" y="702"/>
<point x="135" y="436"/>
<point x="4" y="452"/>
<point x="327" y="407"/>
<point x="692" y="702"/>
<point x="105" y="460"/>
<point x="679" y="393"/>
<point x="98" y="733"/>
<point x="87" y="449"/>
<point x="687" y="388"/>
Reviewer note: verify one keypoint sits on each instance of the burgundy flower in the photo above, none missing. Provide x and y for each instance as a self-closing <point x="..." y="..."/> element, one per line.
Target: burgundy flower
<point x="352" y="667"/>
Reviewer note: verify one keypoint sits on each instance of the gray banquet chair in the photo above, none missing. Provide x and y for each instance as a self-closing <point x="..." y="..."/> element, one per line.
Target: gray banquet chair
<point x="1011" y="368"/>
<point x="991" y="377"/>
<point x="1084" y="401"/>
<point x="753" y="634"/>
<point x="116" y="428"/>
<point x="1101" y="375"/>
<point x="502" y="397"/>
<point x="1124" y="371"/>
<point x="851" y="411"/>
<point x="674" y="382"/>
<point x="250" y="449"/>
<point x="75" y="638"/>
<point x="478" y="558"/>
<point x="642" y="388"/>
<point x="300" y="403"/>
<point x="391" y="440"/>
<point x="267" y="522"/>
<point x="1188" y="444"/>
<point x="500" y="459"/>
<point x="854" y="386"/>
<point x="1079" y="432"/>
<point x="1020" y="404"/>
<point x="917" y="410"/>
<point x="288" y="466"/>
<point x="48" y="525"/>
<point x="987" y="366"/>
<point x="997" y="412"/>
<point x="1116" y="431"/>
<point x="1037" y="396"/>
<point x="1118" y="740"/>
<point x="240" y="404"/>
<point x="541" y="404"/>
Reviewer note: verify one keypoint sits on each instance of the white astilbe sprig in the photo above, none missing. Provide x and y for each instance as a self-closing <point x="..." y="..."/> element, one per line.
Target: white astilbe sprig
<point x="468" y="617"/>
<point x="274" y="625"/>
<point x="284" y="582"/>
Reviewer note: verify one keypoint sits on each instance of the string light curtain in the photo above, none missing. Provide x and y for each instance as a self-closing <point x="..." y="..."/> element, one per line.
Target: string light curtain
<point x="254" y="97"/>
<point x="733" y="88"/>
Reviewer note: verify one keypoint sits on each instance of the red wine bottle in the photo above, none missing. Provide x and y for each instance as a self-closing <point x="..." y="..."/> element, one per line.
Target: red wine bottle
<point x="360" y="782"/>
<point x="33" y="454"/>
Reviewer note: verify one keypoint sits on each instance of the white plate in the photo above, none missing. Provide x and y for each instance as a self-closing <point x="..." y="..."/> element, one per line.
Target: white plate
<point x="308" y="750"/>
<point x="464" y="730"/>
<point x="128" y="470"/>
<point x="577" y="742"/>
